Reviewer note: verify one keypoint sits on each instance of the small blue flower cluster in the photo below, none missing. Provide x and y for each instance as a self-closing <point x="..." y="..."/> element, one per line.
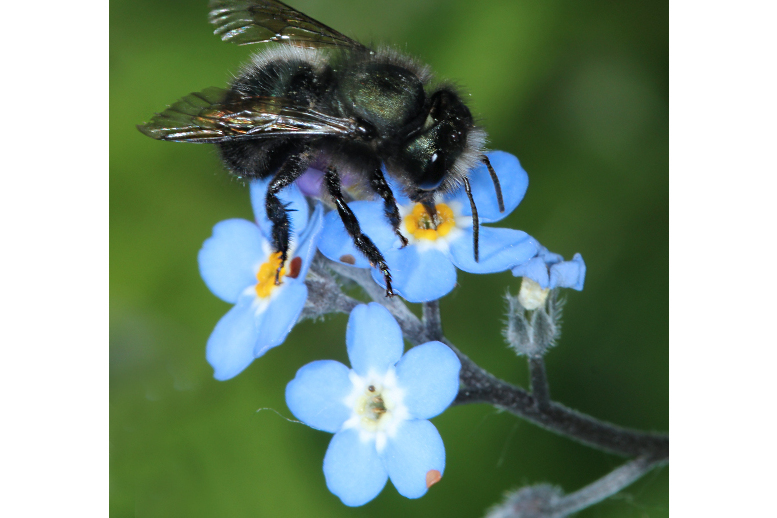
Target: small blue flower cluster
<point x="378" y="411"/>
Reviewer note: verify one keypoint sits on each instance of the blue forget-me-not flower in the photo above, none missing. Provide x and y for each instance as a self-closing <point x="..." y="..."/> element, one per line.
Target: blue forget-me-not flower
<point x="425" y="269"/>
<point x="546" y="271"/>
<point x="379" y="409"/>
<point x="238" y="264"/>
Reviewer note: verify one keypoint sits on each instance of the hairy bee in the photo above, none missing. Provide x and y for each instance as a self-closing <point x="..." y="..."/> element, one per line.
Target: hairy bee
<point x="321" y="97"/>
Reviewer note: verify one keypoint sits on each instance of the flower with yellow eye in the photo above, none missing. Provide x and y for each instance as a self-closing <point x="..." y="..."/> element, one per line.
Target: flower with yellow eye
<point x="379" y="409"/>
<point x="239" y="266"/>
<point x="438" y="244"/>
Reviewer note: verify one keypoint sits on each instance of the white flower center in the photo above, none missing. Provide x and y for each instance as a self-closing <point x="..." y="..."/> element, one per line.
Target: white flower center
<point x="377" y="406"/>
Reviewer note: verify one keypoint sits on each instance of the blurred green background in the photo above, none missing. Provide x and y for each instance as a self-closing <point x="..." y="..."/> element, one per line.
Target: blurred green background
<point x="577" y="90"/>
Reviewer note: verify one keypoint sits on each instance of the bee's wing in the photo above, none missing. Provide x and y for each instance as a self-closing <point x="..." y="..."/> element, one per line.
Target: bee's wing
<point x="219" y="115"/>
<point x="261" y="21"/>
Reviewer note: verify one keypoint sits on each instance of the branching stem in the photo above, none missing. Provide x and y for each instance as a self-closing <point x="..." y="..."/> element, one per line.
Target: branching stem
<point x="480" y="386"/>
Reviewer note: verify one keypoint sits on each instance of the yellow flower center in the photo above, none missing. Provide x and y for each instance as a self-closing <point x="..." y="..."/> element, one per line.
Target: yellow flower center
<point x="265" y="277"/>
<point x="421" y="226"/>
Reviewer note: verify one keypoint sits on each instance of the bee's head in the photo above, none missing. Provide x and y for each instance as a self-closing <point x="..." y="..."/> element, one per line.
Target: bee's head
<point x="441" y="152"/>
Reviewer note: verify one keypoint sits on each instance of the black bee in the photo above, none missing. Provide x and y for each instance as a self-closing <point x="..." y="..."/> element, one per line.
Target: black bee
<point x="324" y="98"/>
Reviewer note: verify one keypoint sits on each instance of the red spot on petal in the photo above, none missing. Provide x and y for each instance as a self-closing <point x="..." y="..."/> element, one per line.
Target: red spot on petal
<point x="347" y="259"/>
<point x="294" y="267"/>
<point x="432" y="477"/>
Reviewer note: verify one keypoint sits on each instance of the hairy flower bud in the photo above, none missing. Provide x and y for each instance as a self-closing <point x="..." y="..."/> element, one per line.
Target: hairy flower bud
<point x="532" y="330"/>
<point x="529" y="502"/>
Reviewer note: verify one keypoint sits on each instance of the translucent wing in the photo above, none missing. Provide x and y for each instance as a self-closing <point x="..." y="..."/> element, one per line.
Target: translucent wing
<point x="219" y="115"/>
<point x="261" y="21"/>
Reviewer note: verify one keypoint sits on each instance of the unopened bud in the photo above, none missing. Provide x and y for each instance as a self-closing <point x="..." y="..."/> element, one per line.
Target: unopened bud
<point x="531" y="329"/>
<point x="537" y="501"/>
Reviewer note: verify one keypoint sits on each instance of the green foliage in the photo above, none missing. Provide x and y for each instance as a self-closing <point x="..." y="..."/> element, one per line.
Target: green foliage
<point x="577" y="90"/>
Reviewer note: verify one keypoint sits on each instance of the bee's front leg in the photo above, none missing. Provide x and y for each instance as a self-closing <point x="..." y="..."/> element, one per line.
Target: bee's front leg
<point x="291" y="169"/>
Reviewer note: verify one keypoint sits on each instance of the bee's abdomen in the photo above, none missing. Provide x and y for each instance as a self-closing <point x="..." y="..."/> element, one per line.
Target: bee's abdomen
<point x="293" y="80"/>
<point x="293" y="74"/>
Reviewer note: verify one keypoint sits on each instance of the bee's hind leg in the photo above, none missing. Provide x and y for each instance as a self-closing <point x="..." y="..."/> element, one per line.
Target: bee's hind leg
<point x="292" y="168"/>
<point x="363" y="243"/>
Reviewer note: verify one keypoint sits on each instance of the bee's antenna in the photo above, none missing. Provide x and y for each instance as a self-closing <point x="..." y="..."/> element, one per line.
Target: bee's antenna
<point x="484" y="159"/>
<point x="475" y="223"/>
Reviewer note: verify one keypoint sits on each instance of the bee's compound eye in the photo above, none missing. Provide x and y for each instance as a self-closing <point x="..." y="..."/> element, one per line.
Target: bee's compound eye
<point x="434" y="171"/>
<point x="365" y="130"/>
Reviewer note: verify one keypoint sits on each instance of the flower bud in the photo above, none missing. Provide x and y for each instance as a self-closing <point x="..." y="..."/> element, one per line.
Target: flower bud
<point x="529" y="502"/>
<point x="533" y="328"/>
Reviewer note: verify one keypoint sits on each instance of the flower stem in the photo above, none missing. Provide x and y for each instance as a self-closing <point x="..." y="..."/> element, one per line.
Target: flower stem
<point x="409" y="323"/>
<point x="432" y="321"/>
<point x="605" y="487"/>
<point x="481" y="386"/>
<point x="539" y="381"/>
<point x="324" y="294"/>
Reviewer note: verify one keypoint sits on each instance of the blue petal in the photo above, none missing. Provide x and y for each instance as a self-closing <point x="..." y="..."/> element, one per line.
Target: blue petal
<point x="308" y="240"/>
<point x="374" y="224"/>
<point x="373" y="338"/>
<point x="316" y="395"/>
<point x="352" y="468"/>
<point x="297" y="206"/>
<point x="500" y="249"/>
<point x="535" y="269"/>
<point x="418" y="276"/>
<point x="429" y="376"/>
<point x="548" y="256"/>
<point x="513" y="182"/>
<point x="275" y="323"/>
<point x="230" y="347"/>
<point x="335" y="243"/>
<point x="549" y="270"/>
<point x="415" y="450"/>
<point x="230" y="258"/>
<point x="568" y="274"/>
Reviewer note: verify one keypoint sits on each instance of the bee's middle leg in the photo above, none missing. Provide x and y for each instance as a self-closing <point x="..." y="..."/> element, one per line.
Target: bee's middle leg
<point x="390" y="209"/>
<point x="363" y="243"/>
